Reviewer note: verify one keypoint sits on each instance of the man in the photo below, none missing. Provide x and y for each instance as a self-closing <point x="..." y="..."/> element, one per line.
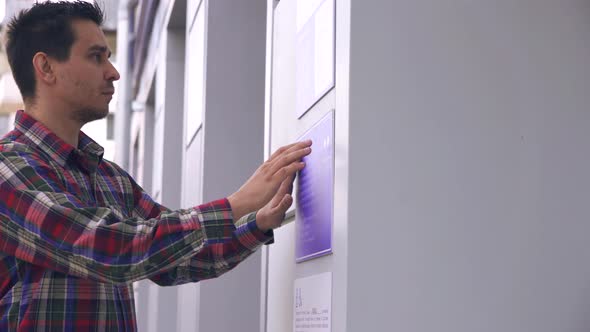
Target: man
<point x="75" y="229"/>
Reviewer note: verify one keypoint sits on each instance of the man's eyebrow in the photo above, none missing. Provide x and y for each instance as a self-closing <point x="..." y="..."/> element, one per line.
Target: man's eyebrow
<point x="100" y="48"/>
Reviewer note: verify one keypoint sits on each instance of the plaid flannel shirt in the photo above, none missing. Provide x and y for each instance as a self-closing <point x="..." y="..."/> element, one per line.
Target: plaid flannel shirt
<point x="76" y="231"/>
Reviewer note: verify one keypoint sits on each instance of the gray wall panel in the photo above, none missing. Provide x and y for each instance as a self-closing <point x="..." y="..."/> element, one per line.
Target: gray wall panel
<point x="468" y="185"/>
<point x="233" y="146"/>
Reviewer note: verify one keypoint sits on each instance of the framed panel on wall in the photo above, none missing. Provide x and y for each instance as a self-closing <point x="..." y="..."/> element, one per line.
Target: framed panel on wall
<point x="315" y="52"/>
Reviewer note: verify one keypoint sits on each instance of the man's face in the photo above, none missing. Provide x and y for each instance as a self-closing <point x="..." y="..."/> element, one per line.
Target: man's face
<point x="85" y="80"/>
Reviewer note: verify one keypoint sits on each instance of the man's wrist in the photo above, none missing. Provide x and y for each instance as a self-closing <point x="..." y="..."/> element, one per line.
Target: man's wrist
<point x="255" y="237"/>
<point x="237" y="207"/>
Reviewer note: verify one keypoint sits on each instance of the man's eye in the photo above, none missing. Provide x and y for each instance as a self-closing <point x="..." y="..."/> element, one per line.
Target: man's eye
<point x="97" y="57"/>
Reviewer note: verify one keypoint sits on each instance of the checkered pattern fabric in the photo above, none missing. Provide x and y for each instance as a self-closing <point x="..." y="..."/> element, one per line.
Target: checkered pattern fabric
<point x="76" y="231"/>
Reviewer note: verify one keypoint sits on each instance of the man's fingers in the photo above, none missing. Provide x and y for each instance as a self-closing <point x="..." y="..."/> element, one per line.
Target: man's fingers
<point x="283" y="190"/>
<point x="283" y="206"/>
<point x="290" y="158"/>
<point x="271" y="217"/>
<point x="288" y="172"/>
<point x="286" y="203"/>
<point x="289" y="148"/>
<point x="280" y="150"/>
<point x="267" y="179"/>
<point x="276" y="199"/>
<point x="283" y="149"/>
<point x="290" y="181"/>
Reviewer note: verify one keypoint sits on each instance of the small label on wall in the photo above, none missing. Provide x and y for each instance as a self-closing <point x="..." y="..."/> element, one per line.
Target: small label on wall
<point x="312" y="307"/>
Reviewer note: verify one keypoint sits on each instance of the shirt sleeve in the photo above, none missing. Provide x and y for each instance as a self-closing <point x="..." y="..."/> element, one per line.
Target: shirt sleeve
<point x="218" y="258"/>
<point x="43" y="224"/>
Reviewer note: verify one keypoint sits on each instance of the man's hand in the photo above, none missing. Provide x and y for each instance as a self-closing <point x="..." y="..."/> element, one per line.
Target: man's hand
<point x="265" y="182"/>
<point x="272" y="214"/>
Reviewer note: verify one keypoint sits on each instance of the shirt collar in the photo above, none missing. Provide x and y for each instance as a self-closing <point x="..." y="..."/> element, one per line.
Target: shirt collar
<point x="88" y="154"/>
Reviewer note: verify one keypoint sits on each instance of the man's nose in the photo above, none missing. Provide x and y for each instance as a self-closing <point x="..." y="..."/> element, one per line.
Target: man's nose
<point x="112" y="73"/>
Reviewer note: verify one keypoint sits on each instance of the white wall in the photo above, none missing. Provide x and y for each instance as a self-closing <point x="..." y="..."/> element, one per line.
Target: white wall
<point x="461" y="181"/>
<point x="286" y="128"/>
<point x="469" y="179"/>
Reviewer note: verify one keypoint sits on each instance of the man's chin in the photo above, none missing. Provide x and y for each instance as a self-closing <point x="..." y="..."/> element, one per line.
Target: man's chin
<point x="88" y="115"/>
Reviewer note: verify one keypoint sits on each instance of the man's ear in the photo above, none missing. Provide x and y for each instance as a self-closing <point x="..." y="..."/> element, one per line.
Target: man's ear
<point x="43" y="68"/>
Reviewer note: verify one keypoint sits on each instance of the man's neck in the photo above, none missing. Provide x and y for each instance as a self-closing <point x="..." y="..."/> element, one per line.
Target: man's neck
<point x="57" y="121"/>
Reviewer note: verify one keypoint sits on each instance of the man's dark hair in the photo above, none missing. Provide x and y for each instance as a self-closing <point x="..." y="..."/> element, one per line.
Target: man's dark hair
<point x="45" y="27"/>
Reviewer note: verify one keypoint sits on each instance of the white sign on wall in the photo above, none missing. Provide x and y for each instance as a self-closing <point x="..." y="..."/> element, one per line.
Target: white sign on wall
<point x="312" y="307"/>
